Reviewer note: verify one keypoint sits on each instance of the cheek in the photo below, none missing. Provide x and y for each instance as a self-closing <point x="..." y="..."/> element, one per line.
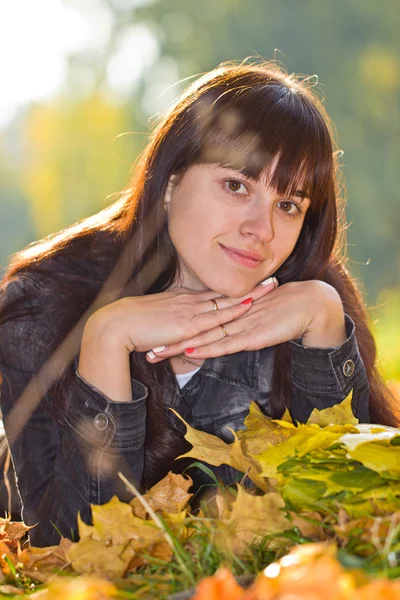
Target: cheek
<point x="287" y="241"/>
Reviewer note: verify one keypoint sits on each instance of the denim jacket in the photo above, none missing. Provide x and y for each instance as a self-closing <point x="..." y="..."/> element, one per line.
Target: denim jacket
<point x="62" y="468"/>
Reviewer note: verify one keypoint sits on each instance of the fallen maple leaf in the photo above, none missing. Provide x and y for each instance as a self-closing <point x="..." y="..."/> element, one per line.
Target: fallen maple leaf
<point x="169" y="495"/>
<point x="109" y="545"/>
<point x="116" y="542"/>
<point x="207" y="447"/>
<point x="114" y="522"/>
<point x="249" y="519"/>
<point x="42" y="563"/>
<point x="92" y="556"/>
<point x="12" y="531"/>
<point x="214" y="451"/>
<point x="262" y="430"/>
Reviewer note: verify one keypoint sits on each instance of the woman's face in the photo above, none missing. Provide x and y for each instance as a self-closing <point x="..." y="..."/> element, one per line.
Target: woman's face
<point x="215" y="213"/>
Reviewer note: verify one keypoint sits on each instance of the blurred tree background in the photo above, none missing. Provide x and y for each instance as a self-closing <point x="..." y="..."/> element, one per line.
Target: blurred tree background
<point x="64" y="156"/>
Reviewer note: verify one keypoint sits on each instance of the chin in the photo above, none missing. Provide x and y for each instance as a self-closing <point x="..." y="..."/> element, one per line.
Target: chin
<point x="231" y="289"/>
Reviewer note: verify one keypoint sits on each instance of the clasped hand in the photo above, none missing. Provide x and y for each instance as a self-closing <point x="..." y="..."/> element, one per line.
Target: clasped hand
<point x="311" y="311"/>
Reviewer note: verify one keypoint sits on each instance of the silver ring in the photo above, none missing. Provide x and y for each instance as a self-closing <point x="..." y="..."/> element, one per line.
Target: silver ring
<point x="215" y="305"/>
<point x="224" y="331"/>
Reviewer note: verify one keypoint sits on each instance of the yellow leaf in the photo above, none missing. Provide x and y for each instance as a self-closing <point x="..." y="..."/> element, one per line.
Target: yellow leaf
<point x="241" y="461"/>
<point x="377" y="457"/>
<point x="85" y="531"/>
<point x="340" y="414"/>
<point x="305" y="438"/>
<point x="250" y="519"/>
<point x="214" y="451"/>
<point x="115" y="538"/>
<point x="207" y="447"/>
<point x="177" y="524"/>
<point x="286" y="417"/>
<point x="93" y="556"/>
<point x="168" y="495"/>
<point x="116" y="522"/>
<point x="262" y="430"/>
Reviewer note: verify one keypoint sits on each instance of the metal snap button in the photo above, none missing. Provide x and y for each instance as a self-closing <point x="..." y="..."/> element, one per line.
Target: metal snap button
<point x="100" y="421"/>
<point x="348" y="368"/>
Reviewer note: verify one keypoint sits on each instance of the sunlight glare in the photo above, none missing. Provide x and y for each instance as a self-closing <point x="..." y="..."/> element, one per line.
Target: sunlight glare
<point x="35" y="38"/>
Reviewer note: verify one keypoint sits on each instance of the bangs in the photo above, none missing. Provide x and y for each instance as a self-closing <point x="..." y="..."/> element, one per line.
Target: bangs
<point x="248" y="128"/>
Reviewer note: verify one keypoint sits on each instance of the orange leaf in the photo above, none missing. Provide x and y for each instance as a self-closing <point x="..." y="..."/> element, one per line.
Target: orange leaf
<point x="221" y="586"/>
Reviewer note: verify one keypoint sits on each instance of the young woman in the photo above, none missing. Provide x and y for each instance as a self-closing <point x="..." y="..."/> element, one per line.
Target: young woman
<point x="217" y="278"/>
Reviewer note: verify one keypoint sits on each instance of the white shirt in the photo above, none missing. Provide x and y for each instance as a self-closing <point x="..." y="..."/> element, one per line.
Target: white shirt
<point x="183" y="378"/>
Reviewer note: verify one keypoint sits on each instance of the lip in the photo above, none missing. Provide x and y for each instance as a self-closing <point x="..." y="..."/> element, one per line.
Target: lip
<point x="244" y="257"/>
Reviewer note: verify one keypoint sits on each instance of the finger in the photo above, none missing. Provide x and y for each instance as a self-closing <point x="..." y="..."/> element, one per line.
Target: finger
<point x="202" y="339"/>
<point x="257" y="292"/>
<point x="212" y="318"/>
<point x="222" y="347"/>
<point x="153" y="359"/>
<point x="211" y="324"/>
<point x="264" y="288"/>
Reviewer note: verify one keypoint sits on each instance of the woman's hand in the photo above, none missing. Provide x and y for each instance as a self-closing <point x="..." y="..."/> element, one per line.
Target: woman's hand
<point x="308" y="310"/>
<point x="144" y="322"/>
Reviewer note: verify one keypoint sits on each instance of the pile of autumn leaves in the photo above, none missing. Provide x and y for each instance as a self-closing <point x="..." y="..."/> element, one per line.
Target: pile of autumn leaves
<point x="331" y="481"/>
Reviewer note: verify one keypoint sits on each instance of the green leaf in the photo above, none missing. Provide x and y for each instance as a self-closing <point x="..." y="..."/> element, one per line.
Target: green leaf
<point x="358" y="478"/>
<point x="304" y="494"/>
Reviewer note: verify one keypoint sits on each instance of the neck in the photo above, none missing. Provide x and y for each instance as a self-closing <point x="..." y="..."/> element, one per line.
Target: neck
<point x="181" y="364"/>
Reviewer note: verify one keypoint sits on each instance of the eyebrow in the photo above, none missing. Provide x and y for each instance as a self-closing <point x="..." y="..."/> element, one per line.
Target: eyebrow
<point x="301" y="194"/>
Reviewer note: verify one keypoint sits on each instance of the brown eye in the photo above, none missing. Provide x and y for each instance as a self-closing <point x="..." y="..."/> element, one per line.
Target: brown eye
<point x="234" y="185"/>
<point x="286" y="206"/>
<point x="289" y="207"/>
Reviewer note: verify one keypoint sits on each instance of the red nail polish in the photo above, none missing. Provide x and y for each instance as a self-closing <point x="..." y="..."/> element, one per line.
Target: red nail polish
<point x="247" y="301"/>
<point x="189" y="350"/>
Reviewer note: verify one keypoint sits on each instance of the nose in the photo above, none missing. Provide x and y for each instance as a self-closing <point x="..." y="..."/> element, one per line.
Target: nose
<point x="259" y="223"/>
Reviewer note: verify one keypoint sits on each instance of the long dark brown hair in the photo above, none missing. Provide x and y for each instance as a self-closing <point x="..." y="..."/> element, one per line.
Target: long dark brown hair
<point x="239" y="115"/>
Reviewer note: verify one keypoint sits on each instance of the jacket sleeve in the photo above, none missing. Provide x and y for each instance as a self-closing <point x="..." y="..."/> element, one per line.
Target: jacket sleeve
<point x="63" y="466"/>
<point x="323" y="377"/>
